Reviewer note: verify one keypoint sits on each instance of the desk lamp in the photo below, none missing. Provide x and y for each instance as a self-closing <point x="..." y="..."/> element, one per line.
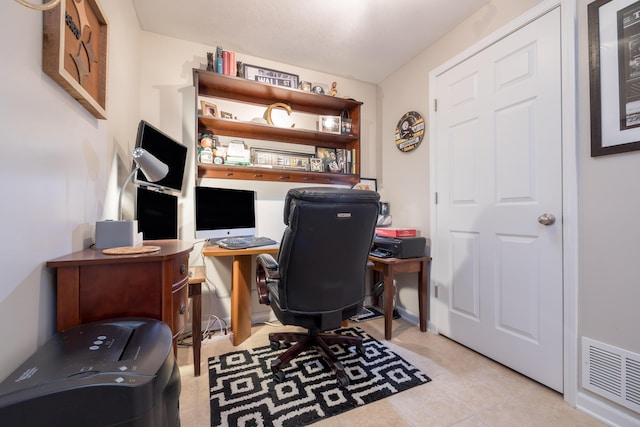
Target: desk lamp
<point x="111" y="234"/>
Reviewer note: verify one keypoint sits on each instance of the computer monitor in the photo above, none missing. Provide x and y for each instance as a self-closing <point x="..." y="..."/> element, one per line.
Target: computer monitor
<point x="224" y="212"/>
<point x="157" y="214"/>
<point x="168" y="151"/>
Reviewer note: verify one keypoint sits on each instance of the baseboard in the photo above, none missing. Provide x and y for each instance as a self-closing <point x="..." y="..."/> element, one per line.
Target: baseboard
<point x="605" y="412"/>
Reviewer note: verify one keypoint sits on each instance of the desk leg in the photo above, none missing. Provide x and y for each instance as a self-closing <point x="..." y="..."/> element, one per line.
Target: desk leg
<point x="389" y="289"/>
<point x="196" y="324"/>
<point x="423" y="292"/>
<point x="241" y="299"/>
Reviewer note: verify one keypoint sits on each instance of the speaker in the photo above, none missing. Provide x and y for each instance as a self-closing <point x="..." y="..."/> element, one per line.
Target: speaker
<point x="157" y="214"/>
<point x="114" y="234"/>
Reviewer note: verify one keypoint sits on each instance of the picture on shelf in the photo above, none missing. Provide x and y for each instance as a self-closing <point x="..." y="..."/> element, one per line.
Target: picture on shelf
<point x="329" y="124"/>
<point x="316" y="165"/>
<point x="280" y="159"/>
<point x="329" y="159"/>
<point x="272" y="77"/>
<point x="209" y="109"/>
<point x="226" y="115"/>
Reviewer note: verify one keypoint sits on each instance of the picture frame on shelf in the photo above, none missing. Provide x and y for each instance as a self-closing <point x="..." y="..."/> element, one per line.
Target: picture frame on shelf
<point x="614" y="76"/>
<point x="329" y="160"/>
<point x="209" y="109"/>
<point x="316" y="165"/>
<point x="367" y="184"/>
<point x="329" y="124"/>
<point x="269" y="76"/>
<point x="226" y="115"/>
<point x="280" y="159"/>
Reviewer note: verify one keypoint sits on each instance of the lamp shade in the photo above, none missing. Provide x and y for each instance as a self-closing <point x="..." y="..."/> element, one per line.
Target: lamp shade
<point x="149" y="164"/>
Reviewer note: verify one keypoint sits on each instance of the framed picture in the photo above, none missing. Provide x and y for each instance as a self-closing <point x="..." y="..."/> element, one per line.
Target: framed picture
<point x="329" y="159"/>
<point x="316" y="164"/>
<point x="74" y="52"/>
<point x="209" y="109"/>
<point x="614" y="57"/>
<point x="367" y="184"/>
<point x="280" y="159"/>
<point x="329" y="124"/>
<point x="272" y="77"/>
<point x="226" y="115"/>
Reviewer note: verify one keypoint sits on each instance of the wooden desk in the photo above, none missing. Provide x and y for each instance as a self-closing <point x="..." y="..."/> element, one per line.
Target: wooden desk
<point x="389" y="267"/>
<point x="241" y="277"/>
<point x="93" y="286"/>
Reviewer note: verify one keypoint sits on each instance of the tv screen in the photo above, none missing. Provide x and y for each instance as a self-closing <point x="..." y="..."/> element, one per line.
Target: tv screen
<point x="224" y="212"/>
<point x="157" y="214"/>
<point x="168" y="151"/>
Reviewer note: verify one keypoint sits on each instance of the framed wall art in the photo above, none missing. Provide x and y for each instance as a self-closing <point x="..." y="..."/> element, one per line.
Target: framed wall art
<point x="74" y="52"/>
<point x="614" y="59"/>
<point x="269" y="76"/>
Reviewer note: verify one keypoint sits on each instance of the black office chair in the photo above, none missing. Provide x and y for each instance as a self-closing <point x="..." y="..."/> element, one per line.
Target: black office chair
<point x="319" y="278"/>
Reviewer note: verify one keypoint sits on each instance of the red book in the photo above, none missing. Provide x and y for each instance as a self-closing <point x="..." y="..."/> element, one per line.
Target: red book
<point x="226" y="64"/>
<point x="395" y="232"/>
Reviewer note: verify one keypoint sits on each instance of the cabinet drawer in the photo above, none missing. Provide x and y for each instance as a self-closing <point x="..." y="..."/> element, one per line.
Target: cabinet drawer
<point x="180" y="269"/>
<point x="180" y="297"/>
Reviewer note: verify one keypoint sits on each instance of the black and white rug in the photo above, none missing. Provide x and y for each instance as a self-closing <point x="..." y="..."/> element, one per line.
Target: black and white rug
<point x="243" y="391"/>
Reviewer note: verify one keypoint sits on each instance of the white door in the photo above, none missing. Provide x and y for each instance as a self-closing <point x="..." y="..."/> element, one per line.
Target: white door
<point x="498" y="160"/>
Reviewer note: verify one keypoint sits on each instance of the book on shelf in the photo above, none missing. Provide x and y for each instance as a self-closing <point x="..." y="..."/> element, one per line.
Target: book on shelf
<point x="219" y="60"/>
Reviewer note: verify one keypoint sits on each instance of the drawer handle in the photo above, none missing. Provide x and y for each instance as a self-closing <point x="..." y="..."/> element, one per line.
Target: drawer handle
<point x="183" y="308"/>
<point x="183" y="269"/>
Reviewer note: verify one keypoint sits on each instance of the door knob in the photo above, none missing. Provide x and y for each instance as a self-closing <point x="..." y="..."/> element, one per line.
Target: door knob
<point x="546" y="219"/>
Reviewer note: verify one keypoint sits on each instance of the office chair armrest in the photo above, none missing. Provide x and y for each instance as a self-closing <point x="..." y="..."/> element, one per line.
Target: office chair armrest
<point x="266" y="271"/>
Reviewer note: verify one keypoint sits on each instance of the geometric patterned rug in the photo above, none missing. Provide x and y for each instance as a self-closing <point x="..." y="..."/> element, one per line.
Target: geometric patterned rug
<point x="243" y="391"/>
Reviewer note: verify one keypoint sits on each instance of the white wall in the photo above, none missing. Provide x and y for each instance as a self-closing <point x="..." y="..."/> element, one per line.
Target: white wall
<point x="405" y="176"/>
<point x="55" y="167"/>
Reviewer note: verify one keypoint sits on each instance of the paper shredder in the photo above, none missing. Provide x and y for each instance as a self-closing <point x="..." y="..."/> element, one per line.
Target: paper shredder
<point x="119" y="372"/>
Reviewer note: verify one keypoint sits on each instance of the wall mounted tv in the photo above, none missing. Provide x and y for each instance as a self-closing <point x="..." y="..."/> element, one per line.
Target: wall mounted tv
<point x="167" y="150"/>
<point x="224" y="212"/>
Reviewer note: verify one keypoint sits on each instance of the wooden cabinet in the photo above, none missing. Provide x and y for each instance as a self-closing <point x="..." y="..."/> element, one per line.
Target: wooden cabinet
<point x="218" y="86"/>
<point x="92" y="286"/>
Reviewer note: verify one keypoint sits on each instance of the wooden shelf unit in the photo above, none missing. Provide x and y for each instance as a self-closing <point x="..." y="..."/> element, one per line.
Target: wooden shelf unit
<point x="213" y="85"/>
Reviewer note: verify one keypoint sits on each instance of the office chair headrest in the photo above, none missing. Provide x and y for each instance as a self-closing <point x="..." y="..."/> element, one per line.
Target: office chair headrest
<point x="328" y="195"/>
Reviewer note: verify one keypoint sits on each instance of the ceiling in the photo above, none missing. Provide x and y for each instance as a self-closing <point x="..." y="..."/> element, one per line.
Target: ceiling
<point x="357" y="39"/>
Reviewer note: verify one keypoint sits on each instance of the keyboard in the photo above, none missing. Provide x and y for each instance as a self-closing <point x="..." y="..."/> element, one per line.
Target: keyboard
<point x="245" y="242"/>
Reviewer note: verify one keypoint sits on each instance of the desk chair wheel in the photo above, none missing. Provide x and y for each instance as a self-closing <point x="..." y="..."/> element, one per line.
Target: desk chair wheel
<point x="275" y="345"/>
<point x="279" y="376"/>
<point x="343" y="380"/>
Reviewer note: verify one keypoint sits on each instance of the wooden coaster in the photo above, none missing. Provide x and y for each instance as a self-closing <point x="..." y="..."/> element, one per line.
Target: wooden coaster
<point x="131" y="250"/>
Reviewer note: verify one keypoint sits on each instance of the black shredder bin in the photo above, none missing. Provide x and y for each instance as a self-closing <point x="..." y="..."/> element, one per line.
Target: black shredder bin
<point x="118" y="372"/>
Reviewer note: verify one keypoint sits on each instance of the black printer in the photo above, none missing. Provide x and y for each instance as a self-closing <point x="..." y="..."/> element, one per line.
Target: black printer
<point x="115" y="372"/>
<point x="399" y="247"/>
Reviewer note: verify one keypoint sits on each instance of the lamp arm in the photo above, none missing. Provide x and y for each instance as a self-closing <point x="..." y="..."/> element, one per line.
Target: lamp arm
<point x="129" y="178"/>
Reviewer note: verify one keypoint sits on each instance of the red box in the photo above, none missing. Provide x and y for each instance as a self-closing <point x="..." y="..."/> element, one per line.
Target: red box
<point x="396" y="232"/>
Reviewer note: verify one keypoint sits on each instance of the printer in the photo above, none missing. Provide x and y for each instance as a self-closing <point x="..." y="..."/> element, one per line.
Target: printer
<point x="115" y="372"/>
<point x="400" y="247"/>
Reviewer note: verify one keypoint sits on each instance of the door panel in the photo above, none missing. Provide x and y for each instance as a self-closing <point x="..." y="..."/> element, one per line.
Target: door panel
<point x="498" y="154"/>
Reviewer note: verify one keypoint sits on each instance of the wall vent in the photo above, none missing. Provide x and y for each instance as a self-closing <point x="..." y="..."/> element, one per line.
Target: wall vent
<point x="611" y="372"/>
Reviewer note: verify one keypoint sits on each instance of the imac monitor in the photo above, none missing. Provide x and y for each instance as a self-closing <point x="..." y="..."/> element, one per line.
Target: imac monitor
<point x="168" y="151"/>
<point x="157" y="214"/>
<point x="224" y="212"/>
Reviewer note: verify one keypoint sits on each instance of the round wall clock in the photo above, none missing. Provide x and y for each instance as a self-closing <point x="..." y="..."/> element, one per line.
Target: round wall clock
<point x="409" y="132"/>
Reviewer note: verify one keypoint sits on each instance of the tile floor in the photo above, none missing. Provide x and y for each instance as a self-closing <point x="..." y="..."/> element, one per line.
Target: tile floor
<point x="467" y="389"/>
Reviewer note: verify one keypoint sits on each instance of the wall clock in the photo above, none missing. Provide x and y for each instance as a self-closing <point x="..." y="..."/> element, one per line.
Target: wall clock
<point x="409" y="131"/>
